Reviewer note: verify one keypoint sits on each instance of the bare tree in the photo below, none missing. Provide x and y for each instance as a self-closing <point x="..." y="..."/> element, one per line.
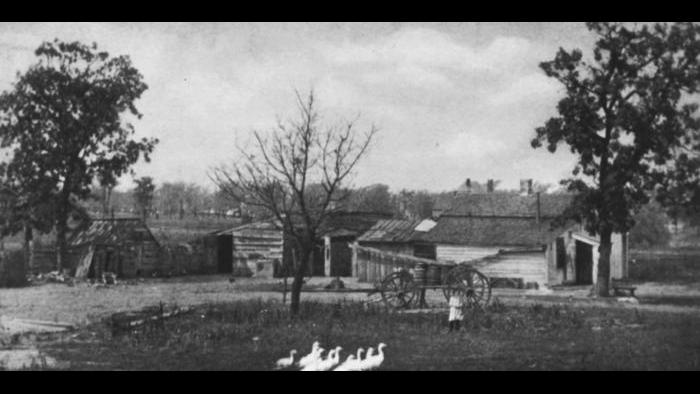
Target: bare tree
<point x="295" y="174"/>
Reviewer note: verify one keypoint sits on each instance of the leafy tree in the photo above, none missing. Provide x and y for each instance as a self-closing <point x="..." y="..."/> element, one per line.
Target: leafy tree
<point x="374" y="198"/>
<point x="143" y="195"/>
<point x="421" y="205"/>
<point x="67" y="122"/>
<point x="628" y="117"/>
<point x="650" y="227"/>
<point x="296" y="174"/>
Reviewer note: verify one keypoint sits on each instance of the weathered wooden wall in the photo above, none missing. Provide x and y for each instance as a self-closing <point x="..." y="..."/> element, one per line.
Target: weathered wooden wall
<point x="530" y="266"/>
<point x="369" y="269"/>
<point x="459" y="253"/>
<point x="374" y="264"/>
<point x="257" y="248"/>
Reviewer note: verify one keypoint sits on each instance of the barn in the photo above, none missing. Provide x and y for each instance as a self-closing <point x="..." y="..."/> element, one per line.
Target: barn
<point x="516" y="239"/>
<point x="124" y="246"/>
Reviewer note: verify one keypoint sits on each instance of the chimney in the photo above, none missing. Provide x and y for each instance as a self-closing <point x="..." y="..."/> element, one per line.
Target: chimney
<point x="525" y="187"/>
<point x="489" y="186"/>
<point x="468" y="185"/>
<point x="539" y="209"/>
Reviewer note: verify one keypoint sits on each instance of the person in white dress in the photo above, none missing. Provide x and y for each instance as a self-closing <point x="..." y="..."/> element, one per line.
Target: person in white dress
<point x="456" y="312"/>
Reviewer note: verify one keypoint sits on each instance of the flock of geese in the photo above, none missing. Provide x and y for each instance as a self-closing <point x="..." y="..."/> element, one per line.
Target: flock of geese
<point x="314" y="361"/>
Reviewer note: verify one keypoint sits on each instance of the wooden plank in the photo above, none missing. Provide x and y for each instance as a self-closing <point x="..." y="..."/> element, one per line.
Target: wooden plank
<point x="401" y="259"/>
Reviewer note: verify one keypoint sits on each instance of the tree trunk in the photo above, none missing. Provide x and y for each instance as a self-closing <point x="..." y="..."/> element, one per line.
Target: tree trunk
<point x="603" y="282"/>
<point x="28" y="252"/>
<point x="61" y="245"/>
<point x="106" y="197"/>
<point x="298" y="281"/>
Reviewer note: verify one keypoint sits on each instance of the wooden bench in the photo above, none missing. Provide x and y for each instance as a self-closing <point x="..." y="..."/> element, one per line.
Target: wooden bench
<point x="622" y="288"/>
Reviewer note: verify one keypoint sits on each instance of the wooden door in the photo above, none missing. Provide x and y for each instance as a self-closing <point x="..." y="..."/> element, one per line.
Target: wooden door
<point x="341" y="257"/>
<point x="584" y="263"/>
<point x="224" y="250"/>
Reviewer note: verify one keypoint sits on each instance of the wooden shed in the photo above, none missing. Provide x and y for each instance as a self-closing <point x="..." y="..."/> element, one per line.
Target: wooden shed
<point x="124" y="246"/>
<point x="256" y="247"/>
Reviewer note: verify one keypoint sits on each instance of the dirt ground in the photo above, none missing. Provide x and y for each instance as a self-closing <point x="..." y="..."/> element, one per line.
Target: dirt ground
<point x="82" y="303"/>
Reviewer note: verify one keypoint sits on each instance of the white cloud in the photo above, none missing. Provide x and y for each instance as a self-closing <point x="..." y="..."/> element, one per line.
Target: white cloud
<point x="421" y="47"/>
<point x="448" y="107"/>
<point x="530" y="87"/>
<point x="473" y="145"/>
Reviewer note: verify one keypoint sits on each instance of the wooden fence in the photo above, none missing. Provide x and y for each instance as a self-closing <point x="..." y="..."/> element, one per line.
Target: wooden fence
<point x="371" y="264"/>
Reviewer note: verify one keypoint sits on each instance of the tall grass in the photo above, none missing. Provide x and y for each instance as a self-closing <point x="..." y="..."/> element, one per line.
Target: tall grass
<point x="250" y="335"/>
<point x="671" y="266"/>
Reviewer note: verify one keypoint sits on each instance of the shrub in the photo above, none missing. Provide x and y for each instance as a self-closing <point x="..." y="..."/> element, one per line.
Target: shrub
<point x="650" y="228"/>
<point x="241" y="271"/>
<point x="13" y="271"/>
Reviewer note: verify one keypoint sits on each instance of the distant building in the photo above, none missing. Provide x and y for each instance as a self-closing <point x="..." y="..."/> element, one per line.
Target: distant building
<point x="122" y="246"/>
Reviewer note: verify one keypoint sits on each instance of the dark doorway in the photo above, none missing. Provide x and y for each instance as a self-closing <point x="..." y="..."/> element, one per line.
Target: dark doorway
<point x="341" y="256"/>
<point x="319" y="263"/>
<point x="584" y="263"/>
<point x="426" y="251"/>
<point x="224" y="253"/>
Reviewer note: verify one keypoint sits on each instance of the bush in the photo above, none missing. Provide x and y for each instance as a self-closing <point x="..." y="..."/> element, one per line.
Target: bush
<point x="241" y="271"/>
<point x="650" y="228"/>
<point x="13" y="272"/>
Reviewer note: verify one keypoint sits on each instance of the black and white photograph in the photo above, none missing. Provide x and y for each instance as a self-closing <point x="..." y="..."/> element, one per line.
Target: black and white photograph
<point x="349" y="196"/>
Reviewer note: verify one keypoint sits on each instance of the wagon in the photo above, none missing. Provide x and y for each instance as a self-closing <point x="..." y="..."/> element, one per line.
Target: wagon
<point x="404" y="287"/>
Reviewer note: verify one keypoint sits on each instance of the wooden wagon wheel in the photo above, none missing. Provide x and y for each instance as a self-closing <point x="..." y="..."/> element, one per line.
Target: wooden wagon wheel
<point x="472" y="285"/>
<point x="398" y="290"/>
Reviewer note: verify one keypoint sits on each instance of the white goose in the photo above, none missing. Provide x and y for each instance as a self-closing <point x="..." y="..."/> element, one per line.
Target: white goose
<point x="314" y="364"/>
<point x="362" y="365"/>
<point x="352" y="363"/>
<point x="347" y="365"/>
<point x="286" y="362"/>
<point x="314" y="356"/>
<point x="331" y="361"/>
<point x="375" y="361"/>
<point x="327" y="363"/>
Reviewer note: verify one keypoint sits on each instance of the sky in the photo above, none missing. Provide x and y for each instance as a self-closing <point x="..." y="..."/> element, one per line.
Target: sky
<point x="451" y="101"/>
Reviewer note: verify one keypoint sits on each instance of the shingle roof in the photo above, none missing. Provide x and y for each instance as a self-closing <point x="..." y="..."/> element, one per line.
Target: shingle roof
<point x="112" y="231"/>
<point x="510" y="205"/>
<point x="262" y="225"/>
<point x="391" y="230"/>
<point x="492" y="231"/>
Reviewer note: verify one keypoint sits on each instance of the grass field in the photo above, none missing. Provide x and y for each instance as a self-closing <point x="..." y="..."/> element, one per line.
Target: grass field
<point x="535" y="337"/>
